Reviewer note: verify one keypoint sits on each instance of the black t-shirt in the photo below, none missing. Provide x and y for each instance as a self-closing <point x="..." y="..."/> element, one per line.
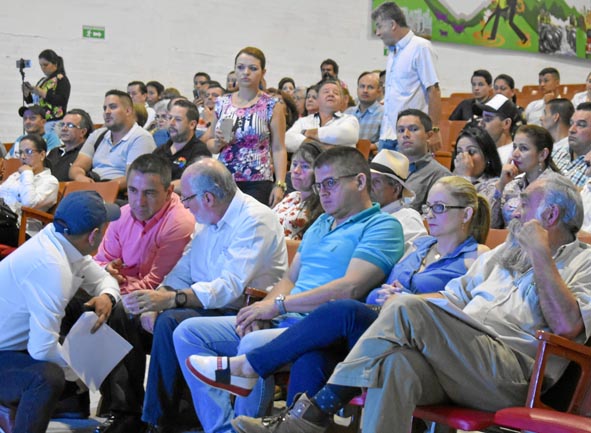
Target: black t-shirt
<point x="184" y="157"/>
<point x="61" y="161"/>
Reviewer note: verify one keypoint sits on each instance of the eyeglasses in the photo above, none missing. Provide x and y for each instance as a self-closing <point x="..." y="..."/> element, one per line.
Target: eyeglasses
<point x="329" y="183"/>
<point x="68" y="125"/>
<point x="438" y="208"/>
<point x="162" y="116"/>
<point x="27" y="152"/>
<point x="184" y="199"/>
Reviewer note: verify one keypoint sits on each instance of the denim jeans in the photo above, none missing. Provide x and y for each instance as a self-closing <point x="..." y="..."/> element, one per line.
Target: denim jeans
<point x="216" y="336"/>
<point x="387" y="144"/>
<point x="315" y="345"/>
<point x="164" y="390"/>
<point x="33" y="386"/>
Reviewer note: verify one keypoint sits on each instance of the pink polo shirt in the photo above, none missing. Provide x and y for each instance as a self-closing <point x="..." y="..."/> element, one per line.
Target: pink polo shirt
<point x="149" y="249"/>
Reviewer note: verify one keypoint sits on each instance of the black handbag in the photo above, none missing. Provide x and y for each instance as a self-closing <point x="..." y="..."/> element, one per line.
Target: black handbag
<point x="8" y="225"/>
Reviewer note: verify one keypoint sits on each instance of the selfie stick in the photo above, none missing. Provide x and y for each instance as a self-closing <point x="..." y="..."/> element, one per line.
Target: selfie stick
<point x="21" y="68"/>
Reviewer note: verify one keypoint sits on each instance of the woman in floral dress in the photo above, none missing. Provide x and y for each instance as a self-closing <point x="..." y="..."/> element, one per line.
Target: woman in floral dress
<point x="251" y="142"/>
<point x="300" y="208"/>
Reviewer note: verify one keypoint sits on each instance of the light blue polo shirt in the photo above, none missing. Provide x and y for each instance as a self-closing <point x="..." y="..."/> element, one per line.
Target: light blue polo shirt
<point x="325" y="254"/>
<point x="110" y="160"/>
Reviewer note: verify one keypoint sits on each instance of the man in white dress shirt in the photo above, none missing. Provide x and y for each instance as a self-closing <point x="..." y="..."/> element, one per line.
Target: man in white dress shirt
<point x="38" y="281"/>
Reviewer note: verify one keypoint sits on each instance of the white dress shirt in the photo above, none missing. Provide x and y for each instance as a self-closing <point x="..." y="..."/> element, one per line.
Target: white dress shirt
<point x="341" y="130"/>
<point x="38" y="281"/>
<point x="246" y="248"/>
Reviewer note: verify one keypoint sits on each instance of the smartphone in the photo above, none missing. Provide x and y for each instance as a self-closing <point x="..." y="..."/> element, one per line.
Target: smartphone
<point x="22" y="63"/>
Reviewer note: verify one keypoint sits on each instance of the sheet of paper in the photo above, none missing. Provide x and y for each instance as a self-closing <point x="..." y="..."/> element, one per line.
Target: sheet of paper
<point x="93" y="356"/>
<point x="452" y="309"/>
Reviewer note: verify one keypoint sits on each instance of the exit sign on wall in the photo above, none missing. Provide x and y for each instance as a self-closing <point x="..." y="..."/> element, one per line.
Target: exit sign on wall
<point x="93" y="32"/>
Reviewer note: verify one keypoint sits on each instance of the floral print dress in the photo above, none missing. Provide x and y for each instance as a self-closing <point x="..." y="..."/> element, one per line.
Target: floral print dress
<point x="248" y="155"/>
<point x="55" y="102"/>
<point x="292" y="215"/>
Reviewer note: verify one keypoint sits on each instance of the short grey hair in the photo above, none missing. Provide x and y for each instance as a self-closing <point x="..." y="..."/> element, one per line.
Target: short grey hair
<point x="209" y="175"/>
<point x="561" y="192"/>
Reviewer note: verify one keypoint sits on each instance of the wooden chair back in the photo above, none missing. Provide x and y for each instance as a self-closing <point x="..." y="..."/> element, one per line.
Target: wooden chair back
<point x="251" y="294"/>
<point x="443" y="157"/>
<point x="292" y="249"/>
<point x="107" y="190"/>
<point x="572" y="392"/>
<point x="584" y="237"/>
<point x="9" y="166"/>
<point x="364" y="146"/>
<point x="496" y="237"/>
<point x="530" y="89"/>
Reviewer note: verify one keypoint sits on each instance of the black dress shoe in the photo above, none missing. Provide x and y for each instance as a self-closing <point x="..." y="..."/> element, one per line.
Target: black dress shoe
<point x="121" y="423"/>
<point x="73" y="403"/>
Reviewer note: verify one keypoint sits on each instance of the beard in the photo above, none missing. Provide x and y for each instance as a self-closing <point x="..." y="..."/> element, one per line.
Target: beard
<point x="511" y="256"/>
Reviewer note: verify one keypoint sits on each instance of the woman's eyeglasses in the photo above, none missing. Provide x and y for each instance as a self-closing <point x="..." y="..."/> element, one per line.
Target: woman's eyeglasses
<point x="438" y="208"/>
<point x="27" y="152"/>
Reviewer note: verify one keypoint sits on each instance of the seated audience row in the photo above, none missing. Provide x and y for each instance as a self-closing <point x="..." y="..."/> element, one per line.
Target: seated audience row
<point x="183" y="284"/>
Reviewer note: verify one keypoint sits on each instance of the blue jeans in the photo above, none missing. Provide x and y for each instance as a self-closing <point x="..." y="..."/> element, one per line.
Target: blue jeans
<point x="165" y="386"/>
<point x="315" y="345"/>
<point x="216" y="336"/>
<point x="33" y="386"/>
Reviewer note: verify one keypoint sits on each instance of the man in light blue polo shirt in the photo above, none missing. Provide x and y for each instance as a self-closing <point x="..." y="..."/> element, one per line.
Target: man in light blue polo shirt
<point x="369" y="111"/>
<point x="349" y="250"/>
<point x="108" y="152"/>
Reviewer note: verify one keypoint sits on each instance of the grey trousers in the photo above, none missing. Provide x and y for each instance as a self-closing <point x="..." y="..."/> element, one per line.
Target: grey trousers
<point x="417" y="354"/>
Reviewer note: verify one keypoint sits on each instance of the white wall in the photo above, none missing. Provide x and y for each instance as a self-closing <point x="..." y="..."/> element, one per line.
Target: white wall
<point x="169" y="41"/>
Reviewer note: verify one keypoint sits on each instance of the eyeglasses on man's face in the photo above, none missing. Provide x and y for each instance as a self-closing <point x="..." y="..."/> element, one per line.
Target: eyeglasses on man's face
<point x="68" y="125"/>
<point x="186" y="199"/>
<point x="438" y="208"/>
<point x="329" y="183"/>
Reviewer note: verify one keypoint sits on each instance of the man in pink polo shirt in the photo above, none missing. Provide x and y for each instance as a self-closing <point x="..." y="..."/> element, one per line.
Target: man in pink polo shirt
<point x="139" y="250"/>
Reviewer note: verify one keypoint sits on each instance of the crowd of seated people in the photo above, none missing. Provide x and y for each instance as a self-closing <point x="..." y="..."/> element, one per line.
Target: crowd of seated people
<point x="212" y="186"/>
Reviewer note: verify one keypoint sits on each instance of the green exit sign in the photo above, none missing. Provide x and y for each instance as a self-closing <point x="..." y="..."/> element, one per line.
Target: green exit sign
<point x="92" y="32"/>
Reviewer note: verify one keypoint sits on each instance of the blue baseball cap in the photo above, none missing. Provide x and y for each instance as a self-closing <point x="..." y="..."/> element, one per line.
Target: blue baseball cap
<point x="83" y="211"/>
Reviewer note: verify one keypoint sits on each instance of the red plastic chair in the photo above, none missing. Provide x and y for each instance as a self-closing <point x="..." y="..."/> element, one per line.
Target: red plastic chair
<point x="572" y="392"/>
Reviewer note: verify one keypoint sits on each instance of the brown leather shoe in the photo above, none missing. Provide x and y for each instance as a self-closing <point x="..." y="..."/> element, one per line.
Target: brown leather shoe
<point x="289" y="421"/>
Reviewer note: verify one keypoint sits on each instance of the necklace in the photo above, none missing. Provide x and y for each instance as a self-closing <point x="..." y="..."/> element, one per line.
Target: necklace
<point x="436" y="254"/>
<point x="432" y="251"/>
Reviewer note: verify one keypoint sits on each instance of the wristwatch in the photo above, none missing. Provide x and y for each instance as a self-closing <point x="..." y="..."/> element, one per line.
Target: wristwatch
<point x="281" y="185"/>
<point x="180" y="299"/>
<point x="436" y="129"/>
<point x="280" y="302"/>
<point x="112" y="298"/>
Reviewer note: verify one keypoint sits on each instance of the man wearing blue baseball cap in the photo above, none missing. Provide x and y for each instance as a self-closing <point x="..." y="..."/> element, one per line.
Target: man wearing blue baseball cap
<point x="37" y="282"/>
